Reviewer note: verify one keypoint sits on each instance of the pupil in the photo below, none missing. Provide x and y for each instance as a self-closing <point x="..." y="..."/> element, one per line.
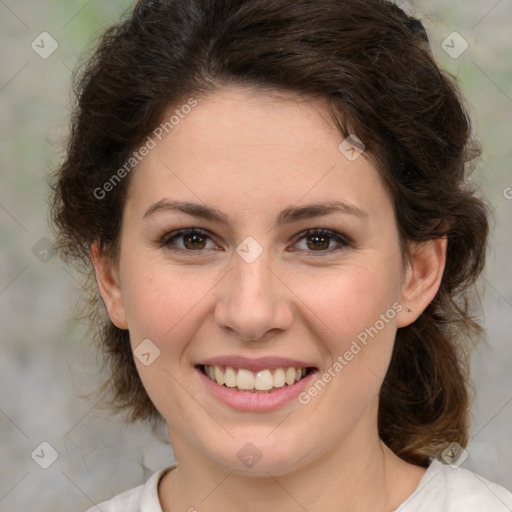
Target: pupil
<point x="320" y="242"/>
<point x="196" y="240"/>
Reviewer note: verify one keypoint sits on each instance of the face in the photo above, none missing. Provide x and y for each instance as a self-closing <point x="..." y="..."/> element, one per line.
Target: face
<point x="292" y="260"/>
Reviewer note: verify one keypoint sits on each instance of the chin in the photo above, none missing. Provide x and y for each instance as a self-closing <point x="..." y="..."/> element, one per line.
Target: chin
<point x="259" y="458"/>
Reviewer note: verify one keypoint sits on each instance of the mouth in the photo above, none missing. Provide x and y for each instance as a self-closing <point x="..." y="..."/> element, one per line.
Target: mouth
<point x="245" y="384"/>
<point x="266" y="380"/>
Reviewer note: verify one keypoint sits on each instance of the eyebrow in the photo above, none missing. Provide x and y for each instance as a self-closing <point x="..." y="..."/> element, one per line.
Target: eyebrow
<point x="286" y="216"/>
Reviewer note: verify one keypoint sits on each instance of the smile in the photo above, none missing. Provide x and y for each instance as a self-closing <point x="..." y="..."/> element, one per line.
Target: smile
<point x="263" y="384"/>
<point x="263" y="381"/>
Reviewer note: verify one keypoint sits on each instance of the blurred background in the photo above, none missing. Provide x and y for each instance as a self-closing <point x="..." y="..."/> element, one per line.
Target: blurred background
<point x="47" y="368"/>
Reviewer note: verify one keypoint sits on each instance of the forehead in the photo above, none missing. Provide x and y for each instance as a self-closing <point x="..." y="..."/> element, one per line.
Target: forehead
<point x="249" y="149"/>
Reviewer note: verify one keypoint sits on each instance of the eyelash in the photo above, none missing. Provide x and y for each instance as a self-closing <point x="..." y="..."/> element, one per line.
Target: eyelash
<point x="343" y="241"/>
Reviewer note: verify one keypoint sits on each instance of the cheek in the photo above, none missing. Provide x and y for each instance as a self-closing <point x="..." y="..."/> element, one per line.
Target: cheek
<point x="166" y="304"/>
<point x="348" y="300"/>
<point x="158" y="299"/>
<point x="163" y="305"/>
<point x="354" y="314"/>
<point x="357" y="309"/>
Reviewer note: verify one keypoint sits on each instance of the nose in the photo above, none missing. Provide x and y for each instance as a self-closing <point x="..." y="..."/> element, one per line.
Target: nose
<point x="253" y="300"/>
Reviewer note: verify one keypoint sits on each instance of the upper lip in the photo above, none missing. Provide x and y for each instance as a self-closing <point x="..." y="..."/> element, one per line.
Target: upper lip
<point x="257" y="364"/>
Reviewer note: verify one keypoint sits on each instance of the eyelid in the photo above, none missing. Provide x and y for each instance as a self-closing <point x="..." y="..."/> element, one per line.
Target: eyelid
<point x="342" y="240"/>
<point x="176" y="234"/>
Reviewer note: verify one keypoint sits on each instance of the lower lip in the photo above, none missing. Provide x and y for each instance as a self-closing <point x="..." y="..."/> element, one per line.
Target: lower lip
<point x="256" y="402"/>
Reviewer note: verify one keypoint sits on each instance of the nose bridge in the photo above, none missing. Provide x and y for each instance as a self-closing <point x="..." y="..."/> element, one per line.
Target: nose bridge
<point x="253" y="279"/>
<point x="251" y="301"/>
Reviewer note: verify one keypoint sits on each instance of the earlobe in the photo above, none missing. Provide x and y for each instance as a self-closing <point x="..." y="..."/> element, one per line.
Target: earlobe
<point x="107" y="279"/>
<point x="422" y="278"/>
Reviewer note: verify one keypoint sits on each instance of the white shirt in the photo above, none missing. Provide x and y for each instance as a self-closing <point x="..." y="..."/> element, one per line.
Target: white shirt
<point x="442" y="489"/>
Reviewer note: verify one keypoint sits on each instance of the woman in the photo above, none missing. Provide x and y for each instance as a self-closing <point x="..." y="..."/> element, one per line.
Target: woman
<point x="273" y="196"/>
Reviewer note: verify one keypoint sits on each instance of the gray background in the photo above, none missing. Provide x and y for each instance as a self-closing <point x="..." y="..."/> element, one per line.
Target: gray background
<point x="45" y="363"/>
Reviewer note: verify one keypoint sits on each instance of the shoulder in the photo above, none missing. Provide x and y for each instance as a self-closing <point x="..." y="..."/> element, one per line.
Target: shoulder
<point x="453" y="489"/>
<point x="143" y="498"/>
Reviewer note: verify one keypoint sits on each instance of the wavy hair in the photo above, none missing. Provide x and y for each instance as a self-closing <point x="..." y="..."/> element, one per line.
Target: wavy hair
<point x="370" y="62"/>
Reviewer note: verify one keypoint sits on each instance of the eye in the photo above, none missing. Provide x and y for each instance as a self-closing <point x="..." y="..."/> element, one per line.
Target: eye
<point x="320" y="241"/>
<point x="190" y="239"/>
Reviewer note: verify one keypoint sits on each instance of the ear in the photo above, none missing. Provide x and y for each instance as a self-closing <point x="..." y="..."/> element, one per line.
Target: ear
<point x="422" y="278"/>
<point x="107" y="277"/>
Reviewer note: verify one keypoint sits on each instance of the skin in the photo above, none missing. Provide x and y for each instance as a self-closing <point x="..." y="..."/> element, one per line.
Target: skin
<point x="250" y="154"/>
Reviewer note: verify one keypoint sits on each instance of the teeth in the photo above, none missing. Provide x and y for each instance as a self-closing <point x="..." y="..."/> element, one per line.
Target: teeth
<point x="218" y="375"/>
<point x="230" y="378"/>
<point x="245" y="380"/>
<point x="264" y="380"/>
<point x="290" y="376"/>
<point x="279" y="378"/>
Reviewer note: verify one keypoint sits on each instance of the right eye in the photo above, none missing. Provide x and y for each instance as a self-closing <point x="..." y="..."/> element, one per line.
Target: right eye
<point x="186" y="240"/>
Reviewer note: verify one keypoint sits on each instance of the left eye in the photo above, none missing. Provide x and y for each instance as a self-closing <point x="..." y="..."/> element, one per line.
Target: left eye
<point x="319" y="240"/>
<point x="193" y="240"/>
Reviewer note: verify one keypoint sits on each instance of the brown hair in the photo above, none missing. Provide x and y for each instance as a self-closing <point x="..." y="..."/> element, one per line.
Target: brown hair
<point x="371" y="63"/>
